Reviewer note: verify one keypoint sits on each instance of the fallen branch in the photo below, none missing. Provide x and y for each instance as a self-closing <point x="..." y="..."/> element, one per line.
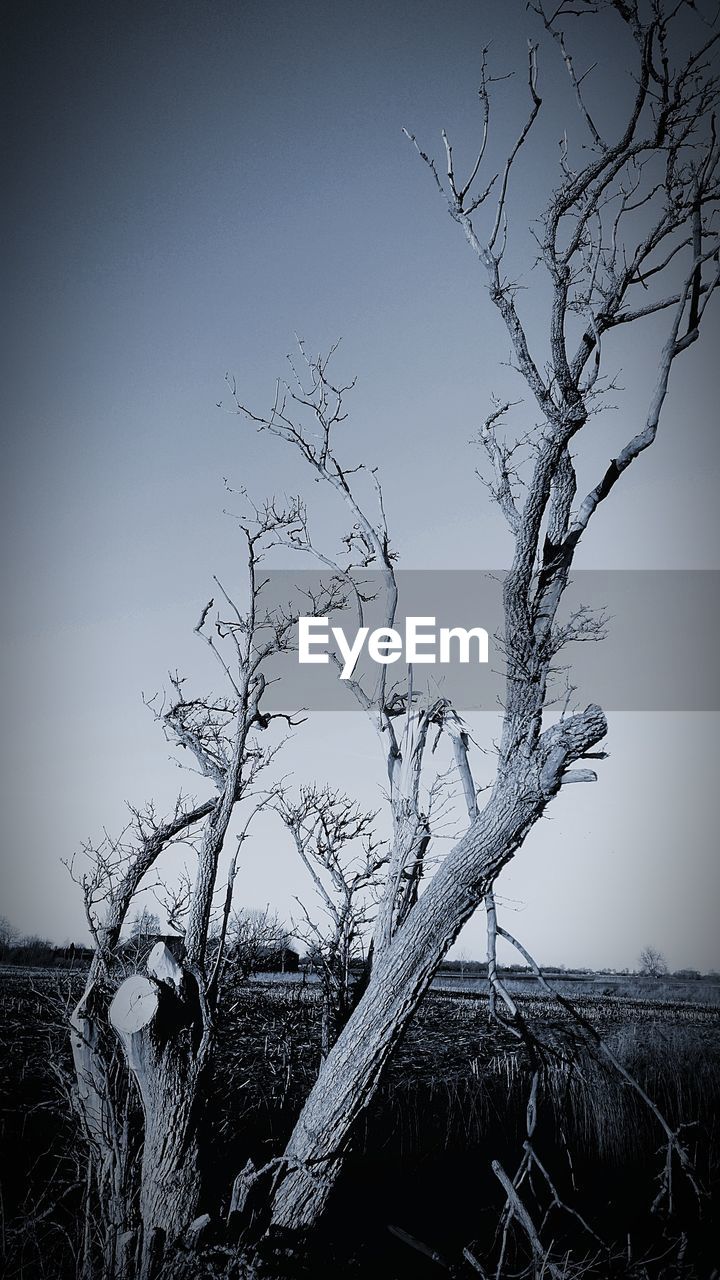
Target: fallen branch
<point x="520" y="1212"/>
<point x="419" y="1247"/>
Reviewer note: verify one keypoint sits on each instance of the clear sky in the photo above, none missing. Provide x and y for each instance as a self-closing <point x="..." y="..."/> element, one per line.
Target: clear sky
<point x="191" y="184"/>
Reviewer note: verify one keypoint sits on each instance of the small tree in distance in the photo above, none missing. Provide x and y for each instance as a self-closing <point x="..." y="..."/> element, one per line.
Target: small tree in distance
<point x="144" y="924"/>
<point x="256" y="940"/>
<point x="652" y="962"/>
<point x="8" y="935"/>
<point x="335" y="841"/>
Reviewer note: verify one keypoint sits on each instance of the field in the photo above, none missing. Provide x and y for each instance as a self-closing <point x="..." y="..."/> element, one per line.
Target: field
<point x="419" y="1181"/>
<point x="668" y="989"/>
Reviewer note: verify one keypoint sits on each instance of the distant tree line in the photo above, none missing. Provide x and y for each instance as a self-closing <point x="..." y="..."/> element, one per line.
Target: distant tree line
<point x="30" y="949"/>
<point x="259" y="943"/>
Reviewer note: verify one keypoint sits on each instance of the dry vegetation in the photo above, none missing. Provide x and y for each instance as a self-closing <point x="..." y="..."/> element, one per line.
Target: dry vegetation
<point x="454" y="1100"/>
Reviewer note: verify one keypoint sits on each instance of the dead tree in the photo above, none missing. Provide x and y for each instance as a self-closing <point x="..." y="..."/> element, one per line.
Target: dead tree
<point x="334" y="840"/>
<point x="652" y="962"/>
<point x="254" y="938"/>
<point x="627" y="232"/>
<point x="305" y="414"/>
<point x="156" y="1025"/>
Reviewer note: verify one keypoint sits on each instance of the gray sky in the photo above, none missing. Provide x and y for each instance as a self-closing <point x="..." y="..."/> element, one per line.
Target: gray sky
<point x="190" y="185"/>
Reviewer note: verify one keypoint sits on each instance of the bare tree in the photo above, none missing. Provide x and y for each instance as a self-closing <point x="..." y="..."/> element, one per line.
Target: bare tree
<point x="334" y="839"/>
<point x="653" y="962"/>
<point x="144" y="924"/>
<point x="162" y="1018"/>
<point x="255" y="939"/>
<point x="8" y="935"/>
<point x="305" y="414"/>
<point x="627" y="232"/>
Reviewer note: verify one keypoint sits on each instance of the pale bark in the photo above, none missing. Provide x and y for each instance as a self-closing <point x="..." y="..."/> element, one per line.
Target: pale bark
<point x="97" y="1099"/>
<point x="96" y="1051"/>
<point x="351" y="1073"/>
<point x="160" y="1022"/>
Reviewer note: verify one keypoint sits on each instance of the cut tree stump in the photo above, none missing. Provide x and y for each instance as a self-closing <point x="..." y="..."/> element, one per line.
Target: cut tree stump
<point x="134" y="1004"/>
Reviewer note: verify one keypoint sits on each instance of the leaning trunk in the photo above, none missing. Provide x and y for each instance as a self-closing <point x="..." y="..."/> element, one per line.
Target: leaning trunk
<point x="351" y="1073"/>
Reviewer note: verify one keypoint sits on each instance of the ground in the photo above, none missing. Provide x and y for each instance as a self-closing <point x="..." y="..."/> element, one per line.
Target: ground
<point x="418" y="1189"/>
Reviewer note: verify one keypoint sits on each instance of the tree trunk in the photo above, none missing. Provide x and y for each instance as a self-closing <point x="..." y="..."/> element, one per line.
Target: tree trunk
<point x="170" y="1177"/>
<point x="159" y="1021"/>
<point x="352" y="1071"/>
<point x="409" y="842"/>
<point x="104" y="1113"/>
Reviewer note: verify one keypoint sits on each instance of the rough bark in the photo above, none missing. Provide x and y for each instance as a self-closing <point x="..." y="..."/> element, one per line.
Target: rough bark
<point x="410" y="829"/>
<point x="159" y="1020"/>
<point x="97" y="1099"/>
<point x="351" y="1072"/>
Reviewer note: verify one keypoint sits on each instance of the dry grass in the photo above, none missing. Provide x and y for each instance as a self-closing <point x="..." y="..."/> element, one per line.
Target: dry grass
<point x="457" y="1092"/>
